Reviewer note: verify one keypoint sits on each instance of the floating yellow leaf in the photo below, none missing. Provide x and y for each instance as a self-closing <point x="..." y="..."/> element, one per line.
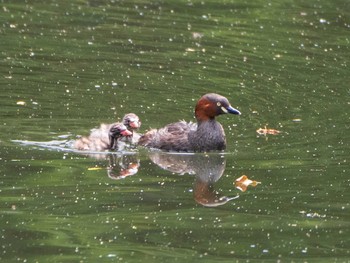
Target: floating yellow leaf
<point x="95" y="168"/>
<point x="243" y="182"/>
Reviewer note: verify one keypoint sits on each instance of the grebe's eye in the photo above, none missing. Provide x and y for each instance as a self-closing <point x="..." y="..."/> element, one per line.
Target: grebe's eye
<point x="218" y="103"/>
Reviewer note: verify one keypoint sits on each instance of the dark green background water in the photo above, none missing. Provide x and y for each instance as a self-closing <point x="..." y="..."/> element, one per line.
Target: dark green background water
<point x="78" y="63"/>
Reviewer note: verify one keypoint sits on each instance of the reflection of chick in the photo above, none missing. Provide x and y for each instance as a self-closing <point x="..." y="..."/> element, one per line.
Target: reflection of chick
<point x="100" y="138"/>
<point x="122" y="166"/>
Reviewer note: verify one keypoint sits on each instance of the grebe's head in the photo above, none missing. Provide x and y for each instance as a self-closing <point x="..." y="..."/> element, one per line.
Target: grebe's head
<point x="131" y="121"/>
<point x="117" y="131"/>
<point x="211" y="105"/>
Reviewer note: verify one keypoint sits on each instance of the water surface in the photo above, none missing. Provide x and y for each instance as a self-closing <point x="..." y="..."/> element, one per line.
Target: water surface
<point x="67" y="66"/>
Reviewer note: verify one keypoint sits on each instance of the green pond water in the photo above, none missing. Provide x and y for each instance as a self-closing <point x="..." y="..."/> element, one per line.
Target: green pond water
<point x="67" y="66"/>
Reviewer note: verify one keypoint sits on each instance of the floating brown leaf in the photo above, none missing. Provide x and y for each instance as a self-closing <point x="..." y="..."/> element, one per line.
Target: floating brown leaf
<point x="243" y="182"/>
<point x="265" y="131"/>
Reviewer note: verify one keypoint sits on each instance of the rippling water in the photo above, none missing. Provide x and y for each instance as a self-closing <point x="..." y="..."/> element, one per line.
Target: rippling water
<point x="67" y="66"/>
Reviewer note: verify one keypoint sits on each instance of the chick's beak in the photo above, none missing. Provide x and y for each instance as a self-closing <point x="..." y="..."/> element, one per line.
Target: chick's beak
<point x="126" y="133"/>
<point x="135" y="124"/>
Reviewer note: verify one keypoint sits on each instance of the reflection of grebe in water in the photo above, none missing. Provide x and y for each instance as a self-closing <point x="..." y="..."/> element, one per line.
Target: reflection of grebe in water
<point x="208" y="169"/>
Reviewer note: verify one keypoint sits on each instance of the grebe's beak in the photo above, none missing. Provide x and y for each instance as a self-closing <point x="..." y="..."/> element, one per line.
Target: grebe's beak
<point x="231" y="110"/>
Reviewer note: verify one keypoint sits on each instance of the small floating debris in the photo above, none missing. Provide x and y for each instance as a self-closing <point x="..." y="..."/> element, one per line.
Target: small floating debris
<point x="312" y="214"/>
<point x="265" y="131"/>
<point x="324" y="21"/>
<point x="243" y="182"/>
<point x="197" y="35"/>
<point x="20" y="102"/>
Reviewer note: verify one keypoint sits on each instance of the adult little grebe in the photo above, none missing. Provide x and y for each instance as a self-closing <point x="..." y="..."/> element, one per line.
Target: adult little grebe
<point x="206" y="135"/>
<point x="106" y="136"/>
